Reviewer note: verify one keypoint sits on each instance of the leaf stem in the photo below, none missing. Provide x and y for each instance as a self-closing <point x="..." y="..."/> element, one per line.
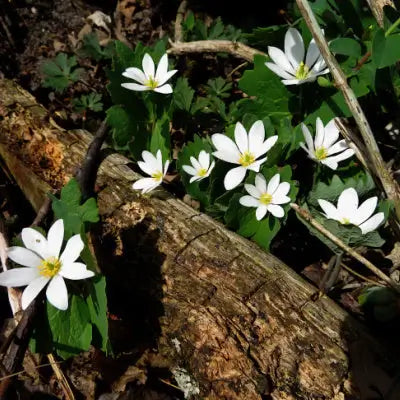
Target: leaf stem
<point x="392" y="27"/>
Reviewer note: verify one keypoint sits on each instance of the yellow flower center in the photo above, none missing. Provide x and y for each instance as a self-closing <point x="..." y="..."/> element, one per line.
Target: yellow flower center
<point x="202" y="172"/>
<point x="151" y="83"/>
<point x="345" y="221"/>
<point x="50" y="267"/>
<point x="321" y="153"/>
<point x="246" y="159"/>
<point x="302" y="72"/>
<point x="158" y="175"/>
<point x="265" y="198"/>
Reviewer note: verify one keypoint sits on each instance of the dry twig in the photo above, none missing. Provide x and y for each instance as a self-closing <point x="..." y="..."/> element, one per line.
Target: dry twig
<point x="178" y="22"/>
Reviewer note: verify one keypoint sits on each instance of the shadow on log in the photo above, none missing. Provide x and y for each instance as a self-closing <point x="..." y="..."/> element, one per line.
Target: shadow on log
<point x="237" y="320"/>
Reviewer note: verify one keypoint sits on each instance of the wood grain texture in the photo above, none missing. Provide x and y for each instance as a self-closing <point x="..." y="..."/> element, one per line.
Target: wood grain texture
<point x="237" y="319"/>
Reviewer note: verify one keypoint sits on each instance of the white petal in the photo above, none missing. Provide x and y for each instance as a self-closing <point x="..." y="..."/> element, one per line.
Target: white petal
<point x="329" y="209"/>
<point x="261" y="183"/>
<point x="150" y="159"/>
<point x="294" y="47"/>
<point x="135" y="73"/>
<point x="275" y="210"/>
<point x="55" y="238"/>
<point x="24" y="257"/>
<point x="372" y="223"/>
<point x="204" y="159"/>
<point x="18" y="277"/>
<point x="341" y="145"/>
<point x="226" y="148"/>
<point x="332" y="164"/>
<point x="146" y="168"/>
<point x="75" y="271"/>
<point x="348" y="203"/>
<point x="146" y="184"/>
<point x="280" y="59"/>
<point x="166" y="77"/>
<point x="135" y="86"/>
<point x="309" y="153"/>
<point x="32" y="290"/>
<point x="365" y="210"/>
<point x="252" y="190"/>
<point x="320" y="133"/>
<point x="189" y="170"/>
<point x="318" y="66"/>
<point x="166" y="89"/>
<point x="35" y="241"/>
<point x="312" y="54"/>
<point x="241" y="138"/>
<point x="211" y="168"/>
<point x="57" y="293"/>
<point x="196" y="178"/>
<point x="331" y="134"/>
<point x="342" y="156"/>
<point x="307" y="137"/>
<point x="166" y="165"/>
<point x="280" y="194"/>
<point x="266" y="146"/>
<point x="257" y="164"/>
<point x="261" y="211"/>
<point x="292" y="82"/>
<point x="162" y="68"/>
<point x="195" y="163"/>
<point x="273" y="183"/>
<point x="279" y="71"/>
<point x="256" y="136"/>
<point x="148" y="66"/>
<point x="249" y="201"/>
<point x="72" y="249"/>
<point x="234" y="177"/>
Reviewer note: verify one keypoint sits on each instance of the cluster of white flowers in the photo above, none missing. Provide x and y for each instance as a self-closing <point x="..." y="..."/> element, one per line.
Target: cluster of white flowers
<point x="248" y="149"/>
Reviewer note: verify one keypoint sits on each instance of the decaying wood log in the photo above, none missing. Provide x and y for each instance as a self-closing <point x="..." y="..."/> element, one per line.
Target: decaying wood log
<point x="377" y="8"/>
<point x="236" y="320"/>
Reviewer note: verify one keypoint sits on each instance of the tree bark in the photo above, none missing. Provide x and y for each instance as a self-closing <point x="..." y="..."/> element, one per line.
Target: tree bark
<point x="232" y="318"/>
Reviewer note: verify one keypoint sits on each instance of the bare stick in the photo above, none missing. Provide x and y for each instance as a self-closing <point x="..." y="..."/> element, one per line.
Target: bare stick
<point x="69" y="394"/>
<point x="237" y="49"/>
<point x="178" y="22"/>
<point x="43" y="211"/>
<point x="334" y="239"/>
<point x="390" y="186"/>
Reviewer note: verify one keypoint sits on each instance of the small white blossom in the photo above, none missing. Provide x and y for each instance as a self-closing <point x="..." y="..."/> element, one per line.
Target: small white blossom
<point x="290" y="64"/>
<point x="348" y="212"/>
<point x="200" y="168"/>
<point x="152" y="166"/>
<point x="325" y="145"/>
<point x="149" y="79"/>
<point x="244" y="151"/>
<point x="42" y="265"/>
<point x="266" y="198"/>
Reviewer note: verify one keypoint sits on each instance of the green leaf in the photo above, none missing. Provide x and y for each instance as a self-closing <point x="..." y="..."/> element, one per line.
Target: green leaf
<point x="183" y="94"/>
<point x="91" y="48"/>
<point x="385" y="50"/>
<point x="69" y="209"/>
<point x="71" y="329"/>
<point x="160" y="138"/>
<point x="91" y="101"/>
<point x="59" y="73"/>
<point x="345" y="46"/>
<point x="97" y="304"/>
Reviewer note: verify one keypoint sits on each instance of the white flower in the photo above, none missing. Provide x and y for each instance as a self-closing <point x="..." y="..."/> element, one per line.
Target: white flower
<point x="290" y="65"/>
<point x="348" y="211"/>
<point x="245" y="152"/>
<point x="266" y="198"/>
<point x="325" y="145"/>
<point x="200" y="168"/>
<point x="152" y="166"/>
<point x="42" y="265"/>
<point x="149" y="79"/>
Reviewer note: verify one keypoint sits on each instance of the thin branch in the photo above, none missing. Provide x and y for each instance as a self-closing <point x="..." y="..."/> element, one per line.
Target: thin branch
<point x="390" y="186"/>
<point x="237" y="49"/>
<point x="334" y="239"/>
<point x="355" y="273"/>
<point x="69" y="394"/>
<point x="43" y="211"/>
<point x="178" y="22"/>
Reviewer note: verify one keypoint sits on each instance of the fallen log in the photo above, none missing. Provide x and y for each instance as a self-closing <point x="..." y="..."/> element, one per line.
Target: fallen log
<point x="229" y="319"/>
